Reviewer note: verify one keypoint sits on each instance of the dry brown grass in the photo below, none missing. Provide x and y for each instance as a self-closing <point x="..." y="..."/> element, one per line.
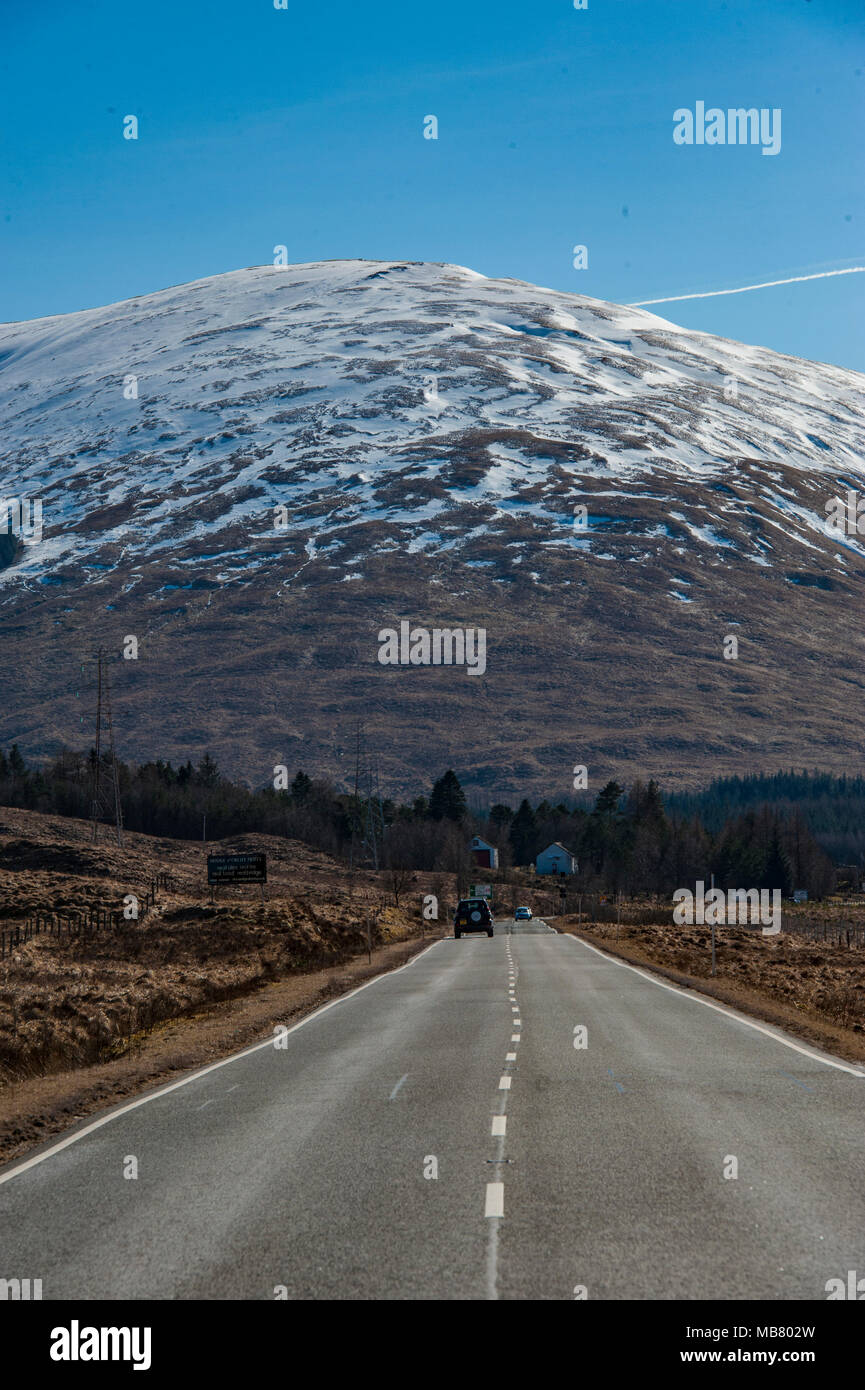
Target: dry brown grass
<point x="67" y="1003"/>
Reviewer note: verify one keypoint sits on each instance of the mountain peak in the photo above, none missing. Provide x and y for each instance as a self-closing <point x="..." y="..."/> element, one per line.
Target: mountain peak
<point x="251" y="440"/>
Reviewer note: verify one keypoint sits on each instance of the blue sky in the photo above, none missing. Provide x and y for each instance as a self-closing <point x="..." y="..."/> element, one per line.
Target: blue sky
<point x="305" y="127"/>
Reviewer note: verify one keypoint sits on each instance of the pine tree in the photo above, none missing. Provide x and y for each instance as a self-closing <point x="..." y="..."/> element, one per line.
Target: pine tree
<point x="523" y="834"/>
<point x="603" y="838"/>
<point x="447" y="799"/>
<point x="207" y="772"/>
<point x="778" y="872"/>
<point x="301" y="787"/>
<point x="17" y="765"/>
<point x="608" y="800"/>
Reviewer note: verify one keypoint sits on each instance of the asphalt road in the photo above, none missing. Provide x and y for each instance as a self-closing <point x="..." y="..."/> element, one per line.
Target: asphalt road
<point x="437" y="1134"/>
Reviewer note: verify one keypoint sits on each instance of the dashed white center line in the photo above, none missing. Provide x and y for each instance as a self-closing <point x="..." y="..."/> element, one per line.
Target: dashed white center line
<point x="495" y="1199"/>
<point x="495" y="1191"/>
<point x="206" y="1103"/>
<point x="393" y="1093"/>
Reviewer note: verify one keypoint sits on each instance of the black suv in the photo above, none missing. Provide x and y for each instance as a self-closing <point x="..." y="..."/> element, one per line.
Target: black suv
<point x="473" y="914"/>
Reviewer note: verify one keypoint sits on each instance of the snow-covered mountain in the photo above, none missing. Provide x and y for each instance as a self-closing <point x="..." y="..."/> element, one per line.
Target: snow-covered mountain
<point x="255" y="472"/>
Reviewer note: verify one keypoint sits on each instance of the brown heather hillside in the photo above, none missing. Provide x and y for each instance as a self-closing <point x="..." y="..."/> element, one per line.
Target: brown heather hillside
<point x="67" y="1003"/>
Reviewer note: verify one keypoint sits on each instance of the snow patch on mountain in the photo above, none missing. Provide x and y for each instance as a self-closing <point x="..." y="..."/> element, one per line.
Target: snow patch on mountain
<point x="408" y="396"/>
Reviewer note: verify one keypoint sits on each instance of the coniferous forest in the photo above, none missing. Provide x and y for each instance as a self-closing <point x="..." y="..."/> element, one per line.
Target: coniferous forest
<point x="796" y="830"/>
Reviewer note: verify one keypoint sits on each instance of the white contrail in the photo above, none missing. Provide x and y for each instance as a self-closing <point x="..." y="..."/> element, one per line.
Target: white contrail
<point x="767" y="285"/>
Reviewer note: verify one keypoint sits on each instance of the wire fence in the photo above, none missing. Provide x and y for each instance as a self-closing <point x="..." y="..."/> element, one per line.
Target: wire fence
<point x="81" y="923"/>
<point x="850" y="934"/>
<point x="591" y="908"/>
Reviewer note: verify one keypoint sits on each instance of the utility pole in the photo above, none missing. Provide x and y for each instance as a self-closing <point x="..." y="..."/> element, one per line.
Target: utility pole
<point x="367" y="815"/>
<point x="354" y="805"/>
<point x="373" y="815"/>
<point x="106" y="783"/>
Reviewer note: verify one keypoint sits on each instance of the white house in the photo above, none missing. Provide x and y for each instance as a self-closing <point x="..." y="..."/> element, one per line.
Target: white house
<point x="555" y="859"/>
<point x="483" y="853"/>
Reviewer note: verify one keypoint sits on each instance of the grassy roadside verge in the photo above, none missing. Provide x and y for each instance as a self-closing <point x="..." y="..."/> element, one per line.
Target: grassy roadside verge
<point x="39" y="1108"/>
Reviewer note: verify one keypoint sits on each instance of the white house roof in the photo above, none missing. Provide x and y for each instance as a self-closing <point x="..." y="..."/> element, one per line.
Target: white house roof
<point x="556" y="845"/>
<point x="478" y="843"/>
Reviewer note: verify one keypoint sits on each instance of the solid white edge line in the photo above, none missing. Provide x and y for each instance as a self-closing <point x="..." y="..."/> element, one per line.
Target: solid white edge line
<point x="696" y="998"/>
<point x="203" y="1071"/>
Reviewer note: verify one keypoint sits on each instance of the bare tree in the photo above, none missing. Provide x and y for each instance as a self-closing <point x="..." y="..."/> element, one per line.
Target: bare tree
<point x="400" y="880"/>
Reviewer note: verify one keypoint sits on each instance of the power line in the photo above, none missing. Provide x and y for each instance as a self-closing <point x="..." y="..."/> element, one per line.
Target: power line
<point x="106" y="783"/>
<point x="367" y="811"/>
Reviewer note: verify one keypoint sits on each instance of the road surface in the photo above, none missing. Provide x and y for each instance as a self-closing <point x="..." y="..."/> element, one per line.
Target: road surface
<point x="437" y="1134"/>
